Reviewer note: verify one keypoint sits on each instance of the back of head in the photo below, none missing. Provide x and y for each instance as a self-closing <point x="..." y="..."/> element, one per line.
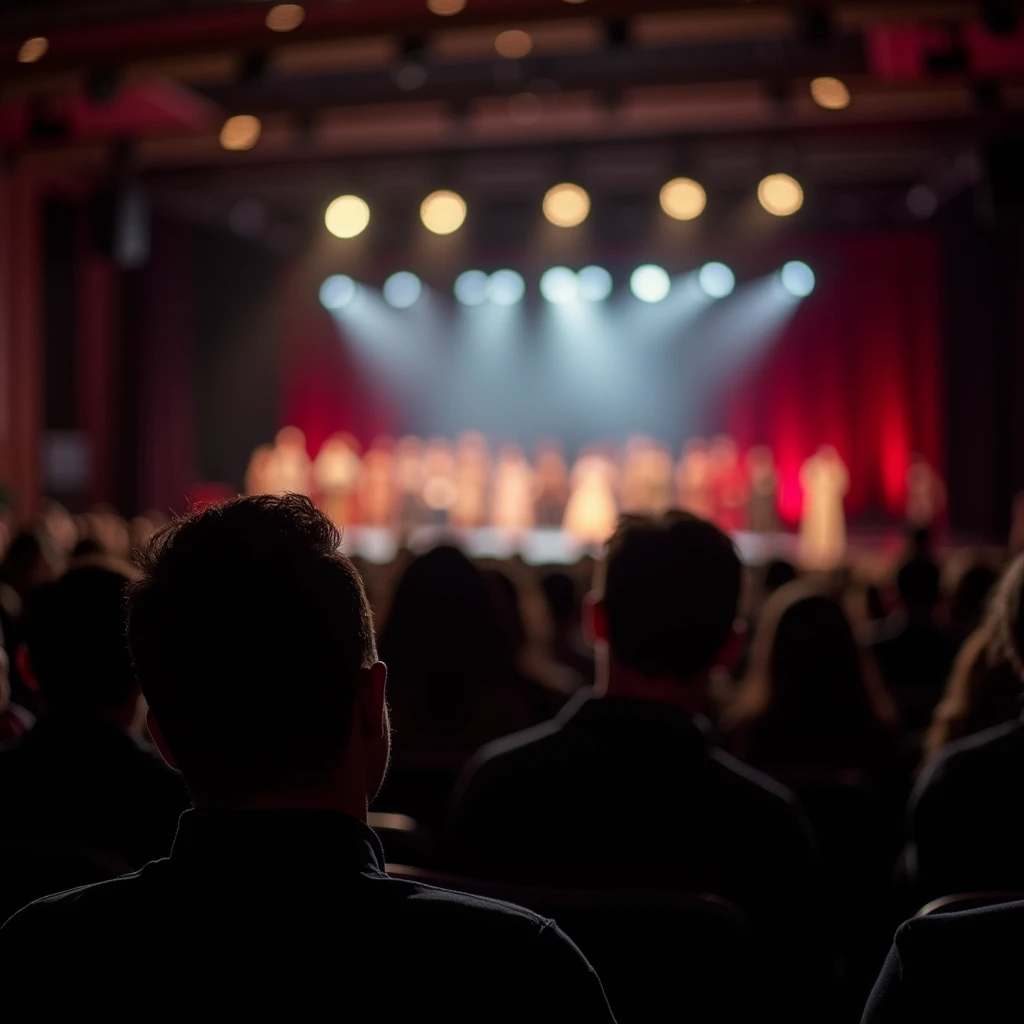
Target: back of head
<point x="75" y="633"/>
<point x="560" y="593"/>
<point x="777" y="573"/>
<point x="248" y="628"/>
<point x="918" y="584"/>
<point x="670" y="586"/>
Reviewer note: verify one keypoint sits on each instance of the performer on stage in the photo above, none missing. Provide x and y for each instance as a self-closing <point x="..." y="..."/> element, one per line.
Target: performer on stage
<point x="693" y="479"/>
<point x="472" y="472"/>
<point x="337" y="469"/>
<point x="728" y="490"/>
<point x="646" y="476"/>
<point x="290" y="468"/>
<point x="926" y="493"/>
<point x="763" y="490"/>
<point x="377" y="490"/>
<point x="259" y="471"/>
<point x="439" y="488"/>
<point x="514" y="483"/>
<point x="591" y="512"/>
<point x="552" y="484"/>
<point x="409" y="478"/>
<point x="825" y="480"/>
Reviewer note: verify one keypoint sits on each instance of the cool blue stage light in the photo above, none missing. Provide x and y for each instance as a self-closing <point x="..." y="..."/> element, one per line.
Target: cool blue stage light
<point x="559" y="285"/>
<point x="505" y="287"/>
<point x="650" y="283"/>
<point x="716" y="280"/>
<point x="402" y="289"/>
<point x="471" y="287"/>
<point x="797" y="278"/>
<point x="337" y="291"/>
<point x="595" y="284"/>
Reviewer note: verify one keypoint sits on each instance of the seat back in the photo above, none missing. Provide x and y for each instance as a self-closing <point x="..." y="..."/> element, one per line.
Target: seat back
<point x="967" y="901"/>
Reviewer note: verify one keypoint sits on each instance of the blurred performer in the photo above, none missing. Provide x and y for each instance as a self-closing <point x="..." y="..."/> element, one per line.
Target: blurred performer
<point x="825" y="480"/>
<point x="336" y="472"/>
<point x="439" y="488"/>
<point x="646" y="476"/>
<point x="409" y="477"/>
<point x="512" y="501"/>
<point x="591" y="511"/>
<point x="926" y="493"/>
<point x="260" y="470"/>
<point x="693" y="479"/>
<point x="728" y="495"/>
<point x="291" y="469"/>
<point x="763" y="490"/>
<point x="472" y="472"/>
<point x="377" y="486"/>
<point x="552" y="484"/>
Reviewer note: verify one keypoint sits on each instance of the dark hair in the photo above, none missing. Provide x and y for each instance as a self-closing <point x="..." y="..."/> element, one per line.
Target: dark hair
<point x="671" y="586"/>
<point x="560" y="592"/>
<point x="971" y="596"/>
<point x="75" y="633"/>
<point x="777" y="573"/>
<point x="249" y="628"/>
<point x="918" y="583"/>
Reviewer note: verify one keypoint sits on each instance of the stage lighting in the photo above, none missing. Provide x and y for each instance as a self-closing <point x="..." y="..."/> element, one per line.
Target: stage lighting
<point x="33" y="49"/>
<point x="402" y="289"/>
<point x="780" y="194"/>
<point x="559" y="285"/>
<point x="337" y="291"/>
<point x="716" y="280"/>
<point x="595" y="284"/>
<point x="683" y="198"/>
<point x="443" y="212"/>
<point x="797" y="278"/>
<point x="471" y="287"/>
<point x="347" y="216"/>
<point x="566" y="205"/>
<point x="650" y="283"/>
<point x="446" y="8"/>
<point x="505" y="288"/>
<point x="285" y="17"/>
<point x="240" y="132"/>
<point x="513" y="43"/>
<point x="830" y="93"/>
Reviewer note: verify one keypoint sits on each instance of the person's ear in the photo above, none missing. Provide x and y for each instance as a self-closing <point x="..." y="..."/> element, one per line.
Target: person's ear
<point x="373" y="708"/>
<point x="24" y="662"/>
<point x="595" y="619"/>
<point x="733" y="646"/>
<point x="156" y="734"/>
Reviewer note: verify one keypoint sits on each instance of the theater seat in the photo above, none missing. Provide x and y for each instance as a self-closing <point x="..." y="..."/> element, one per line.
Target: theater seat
<point x="967" y="901"/>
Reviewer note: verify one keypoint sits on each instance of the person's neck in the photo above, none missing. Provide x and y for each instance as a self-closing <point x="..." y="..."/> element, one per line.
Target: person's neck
<point x="333" y="795"/>
<point x="617" y="680"/>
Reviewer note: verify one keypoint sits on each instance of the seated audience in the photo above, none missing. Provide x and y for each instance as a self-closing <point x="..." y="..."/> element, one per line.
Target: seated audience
<point x="967" y="811"/>
<point x="253" y="642"/>
<point x="568" y="644"/>
<point x="970" y="599"/>
<point x="15" y="721"/>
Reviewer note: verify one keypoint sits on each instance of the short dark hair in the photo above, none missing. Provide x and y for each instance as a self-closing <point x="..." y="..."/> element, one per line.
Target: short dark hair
<point x="248" y="628"/>
<point x="918" y="583"/>
<point x="671" y="587"/>
<point x="75" y="634"/>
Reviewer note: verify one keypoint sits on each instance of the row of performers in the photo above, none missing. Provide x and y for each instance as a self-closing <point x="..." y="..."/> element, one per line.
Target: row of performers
<point x="412" y="482"/>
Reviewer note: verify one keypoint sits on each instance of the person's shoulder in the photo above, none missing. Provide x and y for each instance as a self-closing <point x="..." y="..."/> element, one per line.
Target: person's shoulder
<point x="744" y="781"/>
<point x="480" y="910"/>
<point x="509" y="753"/>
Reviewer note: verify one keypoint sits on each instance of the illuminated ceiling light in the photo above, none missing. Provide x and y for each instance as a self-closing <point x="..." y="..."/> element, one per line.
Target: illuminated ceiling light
<point x="506" y="288"/>
<point x="402" y="289"/>
<point x="337" y="291"/>
<point x="240" y="132"/>
<point x="559" y="285"/>
<point x="446" y="8"/>
<point x="830" y="93"/>
<point x="595" y="284"/>
<point x="347" y="216"/>
<point x="716" y="280"/>
<point x="285" y="17"/>
<point x="513" y="43"/>
<point x="443" y="212"/>
<point x="33" y="49"/>
<point x="780" y="194"/>
<point x="650" y="283"/>
<point x="471" y="287"/>
<point x="797" y="278"/>
<point x="683" y="198"/>
<point x="566" y="205"/>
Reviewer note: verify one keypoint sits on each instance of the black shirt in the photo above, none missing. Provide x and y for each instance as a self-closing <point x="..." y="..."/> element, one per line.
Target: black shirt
<point x="292" y="910"/>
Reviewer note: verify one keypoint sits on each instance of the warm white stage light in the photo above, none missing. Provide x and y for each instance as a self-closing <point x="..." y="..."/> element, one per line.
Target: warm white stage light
<point x="716" y="280"/>
<point x="240" y="132"/>
<point x="566" y="205"/>
<point x="830" y="93"/>
<point x="402" y="289"/>
<point x="471" y="287"/>
<point x="446" y="8"/>
<point x="683" y="198"/>
<point x="650" y="283"/>
<point x="506" y="287"/>
<point x="513" y="43"/>
<point x="33" y="49"/>
<point x="347" y="216"/>
<point x="559" y="285"/>
<point x="337" y="291"/>
<point x="285" y="17"/>
<point x="595" y="284"/>
<point x="797" y="278"/>
<point x="780" y="194"/>
<point x="443" y="212"/>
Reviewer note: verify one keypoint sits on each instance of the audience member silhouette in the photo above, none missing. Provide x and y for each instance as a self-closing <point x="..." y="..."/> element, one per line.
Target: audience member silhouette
<point x="254" y="646"/>
<point x="564" y="607"/>
<point x="970" y="599"/>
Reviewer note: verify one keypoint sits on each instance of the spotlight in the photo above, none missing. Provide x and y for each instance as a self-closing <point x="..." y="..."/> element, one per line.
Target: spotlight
<point x="559" y="285"/>
<point x="505" y="288"/>
<point x="716" y="280"/>
<point x="566" y="205"/>
<point x="683" y="198"/>
<point x="402" y="289"/>
<point x="240" y="132"/>
<point x="285" y="17"/>
<point x="780" y="194"/>
<point x="33" y="49"/>
<point x="797" y="278"/>
<point x="443" y="212"/>
<point x="650" y="283"/>
<point x="471" y="287"/>
<point x="446" y="8"/>
<point x="595" y="284"/>
<point x="513" y="43"/>
<point x="347" y="216"/>
<point x="830" y="93"/>
<point x="337" y="291"/>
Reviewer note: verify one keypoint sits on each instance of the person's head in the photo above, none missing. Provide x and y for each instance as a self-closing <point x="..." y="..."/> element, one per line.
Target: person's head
<point x="253" y="643"/>
<point x="917" y="583"/>
<point x="560" y="593"/>
<point x="77" y="652"/>
<point x="666" y="596"/>
<point x="1007" y="614"/>
<point x="971" y="595"/>
<point x="777" y="573"/>
<point x="29" y="561"/>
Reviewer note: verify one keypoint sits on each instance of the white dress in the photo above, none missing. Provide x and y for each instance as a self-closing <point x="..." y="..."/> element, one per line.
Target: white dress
<point x="825" y="480"/>
<point x="591" y="511"/>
